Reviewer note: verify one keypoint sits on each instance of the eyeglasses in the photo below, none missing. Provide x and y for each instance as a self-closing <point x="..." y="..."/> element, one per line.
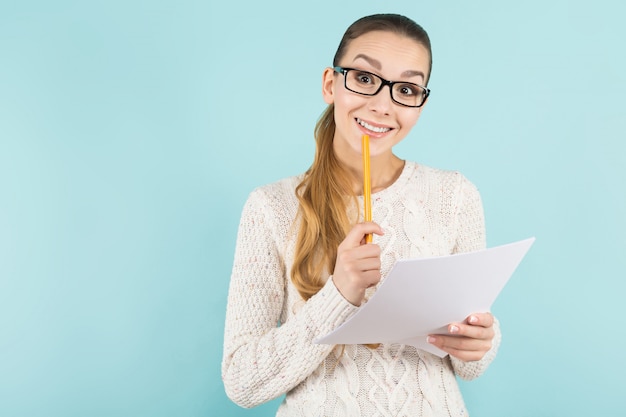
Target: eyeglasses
<point x="368" y="84"/>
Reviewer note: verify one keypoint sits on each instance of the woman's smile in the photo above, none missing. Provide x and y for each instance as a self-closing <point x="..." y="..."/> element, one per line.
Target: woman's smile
<point x="372" y="129"/>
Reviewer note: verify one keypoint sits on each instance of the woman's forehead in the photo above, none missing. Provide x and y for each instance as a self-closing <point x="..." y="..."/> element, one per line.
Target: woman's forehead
<point x="388" y="51"/>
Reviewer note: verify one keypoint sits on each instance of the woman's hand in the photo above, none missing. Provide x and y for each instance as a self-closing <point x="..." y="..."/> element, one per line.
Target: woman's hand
<point x="467" y="341"/>
<point x="358" y="264"/>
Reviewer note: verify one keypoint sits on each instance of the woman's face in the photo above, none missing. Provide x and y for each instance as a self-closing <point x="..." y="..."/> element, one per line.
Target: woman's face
<point x="392" y="57"/>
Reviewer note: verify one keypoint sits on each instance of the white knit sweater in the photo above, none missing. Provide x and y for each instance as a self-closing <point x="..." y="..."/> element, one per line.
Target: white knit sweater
<point x="269" y="333"/>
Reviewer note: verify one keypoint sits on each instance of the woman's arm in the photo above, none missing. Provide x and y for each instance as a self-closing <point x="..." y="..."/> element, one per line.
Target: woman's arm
<point x="471" y="237"/>
<point x="263" y="360"/>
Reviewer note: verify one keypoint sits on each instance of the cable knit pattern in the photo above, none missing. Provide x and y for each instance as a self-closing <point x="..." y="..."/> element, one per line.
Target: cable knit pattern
<point x="269" y="332"/>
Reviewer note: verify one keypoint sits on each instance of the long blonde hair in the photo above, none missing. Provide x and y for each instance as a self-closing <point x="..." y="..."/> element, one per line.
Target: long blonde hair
<point x="326" y="189"/>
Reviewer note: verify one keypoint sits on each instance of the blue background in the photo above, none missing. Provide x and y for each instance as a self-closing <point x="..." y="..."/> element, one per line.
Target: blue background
<point x="131" y="133"/>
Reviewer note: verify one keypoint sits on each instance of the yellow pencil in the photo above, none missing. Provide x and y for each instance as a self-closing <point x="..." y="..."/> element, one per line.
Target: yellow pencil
<point x="367" y="184"/>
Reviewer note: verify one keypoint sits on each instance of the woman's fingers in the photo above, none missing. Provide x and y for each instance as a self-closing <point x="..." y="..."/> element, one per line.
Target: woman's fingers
<point x="358" y="265"/>
<point x="468" y="341"/>
<point x="356" y="236"/>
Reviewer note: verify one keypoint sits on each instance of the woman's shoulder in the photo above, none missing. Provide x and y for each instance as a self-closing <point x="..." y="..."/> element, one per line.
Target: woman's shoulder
<point x="279" y="190"/>
<point x="443" y="178"/>
<point x="278" y="196"/>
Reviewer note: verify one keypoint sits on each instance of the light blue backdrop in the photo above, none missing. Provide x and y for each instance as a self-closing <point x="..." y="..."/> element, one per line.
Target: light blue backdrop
<point x="131" y="133"/>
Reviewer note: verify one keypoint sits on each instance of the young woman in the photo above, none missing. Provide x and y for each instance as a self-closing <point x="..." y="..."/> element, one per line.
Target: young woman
<point x="302" y="266"/>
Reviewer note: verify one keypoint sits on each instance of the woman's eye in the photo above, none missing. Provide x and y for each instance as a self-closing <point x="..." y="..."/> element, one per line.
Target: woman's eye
<point x="364" y="78"/>
<point x="408" y="90"/>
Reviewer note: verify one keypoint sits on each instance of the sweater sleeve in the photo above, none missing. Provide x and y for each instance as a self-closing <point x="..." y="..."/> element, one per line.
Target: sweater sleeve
<point x="471" y="237"/>
<point x="264" y="359"/>
<point x="470" y="219"/>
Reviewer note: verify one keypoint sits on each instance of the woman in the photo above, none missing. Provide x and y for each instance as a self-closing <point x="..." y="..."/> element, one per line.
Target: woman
<point x="302" y="266"/>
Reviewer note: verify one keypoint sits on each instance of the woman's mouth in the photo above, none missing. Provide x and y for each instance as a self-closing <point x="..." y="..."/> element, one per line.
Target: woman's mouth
<point x="376" y="129"/>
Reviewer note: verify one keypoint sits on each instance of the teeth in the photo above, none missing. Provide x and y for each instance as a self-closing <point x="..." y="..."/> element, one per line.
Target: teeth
<point x="373" y="128"/>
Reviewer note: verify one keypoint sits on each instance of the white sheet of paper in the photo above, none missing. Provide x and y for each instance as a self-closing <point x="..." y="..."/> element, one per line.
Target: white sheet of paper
<point x="422" y="296"/>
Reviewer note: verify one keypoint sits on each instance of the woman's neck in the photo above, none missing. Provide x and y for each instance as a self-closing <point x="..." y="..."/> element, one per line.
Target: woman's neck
<point x="384" y="171"/>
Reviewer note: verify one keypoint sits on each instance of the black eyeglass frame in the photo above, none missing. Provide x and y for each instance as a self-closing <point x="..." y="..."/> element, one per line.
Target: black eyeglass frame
<point x="344" y="71"/>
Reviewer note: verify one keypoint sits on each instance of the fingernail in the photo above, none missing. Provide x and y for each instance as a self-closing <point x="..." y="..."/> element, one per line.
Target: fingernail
<point x="431" y="339"/>
<point x="454" y="329"/>
<point x="473" y="319"/>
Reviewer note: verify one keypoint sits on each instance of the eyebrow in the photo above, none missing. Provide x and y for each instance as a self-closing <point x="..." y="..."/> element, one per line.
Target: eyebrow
<point x="376" y="64"/>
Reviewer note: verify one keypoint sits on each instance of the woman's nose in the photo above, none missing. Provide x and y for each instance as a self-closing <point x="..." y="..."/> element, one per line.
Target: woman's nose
<point x="381" y="102"/>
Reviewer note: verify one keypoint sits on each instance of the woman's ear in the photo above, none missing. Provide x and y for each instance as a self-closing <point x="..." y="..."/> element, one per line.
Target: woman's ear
<point x="328" y="85"/>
